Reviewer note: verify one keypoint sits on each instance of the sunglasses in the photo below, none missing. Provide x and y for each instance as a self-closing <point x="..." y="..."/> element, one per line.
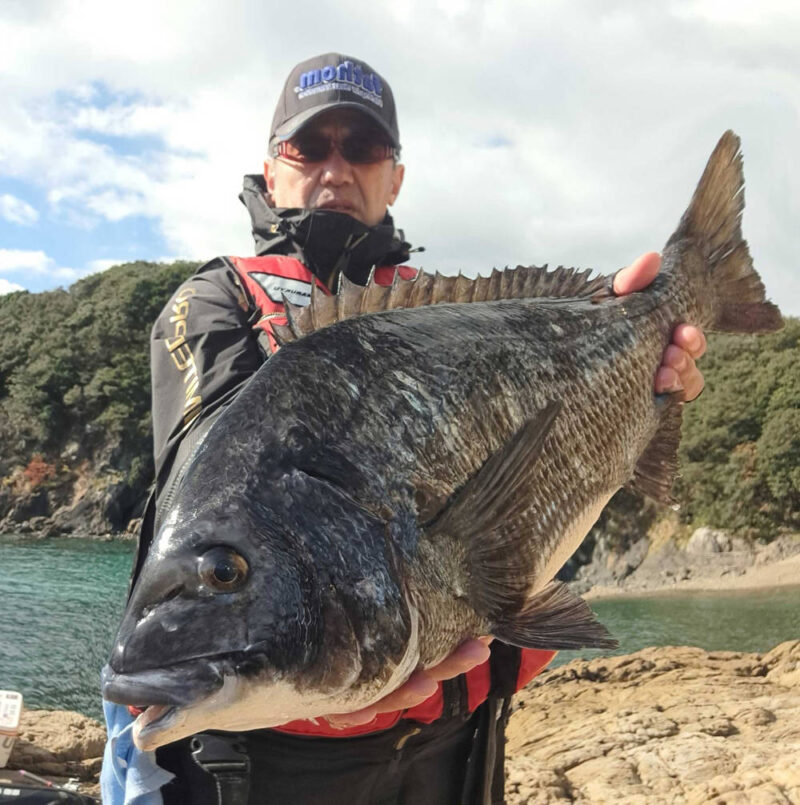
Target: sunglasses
<point x="356" y="148"/>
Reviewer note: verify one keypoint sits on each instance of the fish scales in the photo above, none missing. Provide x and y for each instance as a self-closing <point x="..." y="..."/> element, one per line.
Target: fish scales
<point x="407" y="477"/>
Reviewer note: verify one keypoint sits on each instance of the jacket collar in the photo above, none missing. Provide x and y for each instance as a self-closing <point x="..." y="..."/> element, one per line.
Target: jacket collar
<point x="329" y="243"/>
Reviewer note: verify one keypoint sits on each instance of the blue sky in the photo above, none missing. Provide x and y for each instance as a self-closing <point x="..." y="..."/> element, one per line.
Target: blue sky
<point x="563" y="132"/>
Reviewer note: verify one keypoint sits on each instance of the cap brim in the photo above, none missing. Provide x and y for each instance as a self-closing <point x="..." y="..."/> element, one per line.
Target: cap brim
<point x="291" y="127"/>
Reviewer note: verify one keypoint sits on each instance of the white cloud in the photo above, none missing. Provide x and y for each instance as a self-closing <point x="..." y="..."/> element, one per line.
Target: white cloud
<point x="24" y="260"/>
<point x="17" y="211"/>
<point x="36" y="261"/>
<point x="9" y="287"/>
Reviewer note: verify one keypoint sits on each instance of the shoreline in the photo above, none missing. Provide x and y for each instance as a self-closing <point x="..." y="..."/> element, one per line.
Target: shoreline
<point x="42" y="535"/>
<point x="781" y="573"/>
<point x="680" y="572"/>
<point x="659" y="725"/>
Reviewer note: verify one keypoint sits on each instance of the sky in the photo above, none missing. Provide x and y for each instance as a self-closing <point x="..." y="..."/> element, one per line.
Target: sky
<point x="567" y="133"/>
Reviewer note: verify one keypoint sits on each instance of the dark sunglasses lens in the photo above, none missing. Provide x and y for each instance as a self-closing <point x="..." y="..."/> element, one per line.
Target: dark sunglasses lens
<point x="308" y="147"/>
<point x="360" y="149"/>
<point x="357" y="148"/>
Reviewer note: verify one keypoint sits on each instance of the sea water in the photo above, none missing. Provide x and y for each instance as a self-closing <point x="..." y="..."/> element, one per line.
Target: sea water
<point x="61" y="601"/>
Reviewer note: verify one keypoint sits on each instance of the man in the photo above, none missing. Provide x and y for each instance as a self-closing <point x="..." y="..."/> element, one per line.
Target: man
<point x="319" y="212"/>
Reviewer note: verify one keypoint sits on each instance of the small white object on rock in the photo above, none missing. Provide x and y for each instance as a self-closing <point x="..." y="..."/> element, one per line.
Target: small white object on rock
<point x="10" y="714"/>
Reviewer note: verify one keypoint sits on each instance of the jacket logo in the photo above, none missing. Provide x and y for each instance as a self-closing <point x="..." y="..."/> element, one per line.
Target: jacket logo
<point x="296" y="291"/>
<point x="347" y="76"/>
<point x="182" y="357"/>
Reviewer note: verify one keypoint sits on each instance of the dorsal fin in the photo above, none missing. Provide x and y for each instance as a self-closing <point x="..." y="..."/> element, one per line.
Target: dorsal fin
<point x="522" y="282"/>
<point x="348" y="301"/>
<point x="293" y="313"/>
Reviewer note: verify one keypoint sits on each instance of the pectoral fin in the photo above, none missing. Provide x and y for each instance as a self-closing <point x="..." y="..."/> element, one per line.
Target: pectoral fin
<point x="487" y="515"/>
<point x="501" y="488"/>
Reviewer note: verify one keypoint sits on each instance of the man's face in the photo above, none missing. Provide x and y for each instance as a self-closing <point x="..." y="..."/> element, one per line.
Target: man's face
<point x="362" y="191"/>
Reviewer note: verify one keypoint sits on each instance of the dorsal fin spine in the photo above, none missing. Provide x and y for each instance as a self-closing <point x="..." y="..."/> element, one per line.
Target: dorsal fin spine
<point x="425" y="289"/>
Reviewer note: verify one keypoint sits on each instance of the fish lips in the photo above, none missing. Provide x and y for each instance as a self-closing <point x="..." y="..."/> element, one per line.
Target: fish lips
<point x="179" y="685"/>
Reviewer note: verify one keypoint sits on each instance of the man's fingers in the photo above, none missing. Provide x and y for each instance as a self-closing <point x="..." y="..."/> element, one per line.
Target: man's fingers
<point x="693" y="383"/>
<point x="691" y="339"/>
<point x="418" y="687"/>
<point x="463" y="659"/>
<point x="676" y="358"/>
<point x="667" y="380"/>
<point x="342" y="720"/>
<point x="638" y="275"/>
<point x="415" y="690"/>
<point x="421" y="685"/>
<point x="690" y="379"/>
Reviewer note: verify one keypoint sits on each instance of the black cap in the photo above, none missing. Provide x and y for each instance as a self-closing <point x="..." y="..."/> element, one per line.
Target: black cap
<point x="333" y="81"/>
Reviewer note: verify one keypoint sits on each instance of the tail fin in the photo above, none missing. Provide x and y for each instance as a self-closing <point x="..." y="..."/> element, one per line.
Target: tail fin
<point x="713" y="223"/>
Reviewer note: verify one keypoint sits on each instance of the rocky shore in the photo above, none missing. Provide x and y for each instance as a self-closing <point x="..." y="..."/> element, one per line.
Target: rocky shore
<point x="711" y="559"/>
<point x="60" y="745"/>
<point x="74" y="497"/>
<point x="663" y="725"/>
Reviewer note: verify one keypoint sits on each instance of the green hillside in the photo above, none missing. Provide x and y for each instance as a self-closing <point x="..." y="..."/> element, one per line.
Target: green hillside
<point x="74" y="384"/>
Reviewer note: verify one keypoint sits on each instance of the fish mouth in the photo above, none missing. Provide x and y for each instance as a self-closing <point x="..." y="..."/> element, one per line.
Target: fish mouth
<point x="159" y="697"/>
<point x="175" y="686"/>
<point x="153" y="720"/>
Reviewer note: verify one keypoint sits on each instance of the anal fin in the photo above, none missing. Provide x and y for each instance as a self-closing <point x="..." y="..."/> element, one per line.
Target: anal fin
<point x="555" y="618"/>
<point x="657" y="467"/>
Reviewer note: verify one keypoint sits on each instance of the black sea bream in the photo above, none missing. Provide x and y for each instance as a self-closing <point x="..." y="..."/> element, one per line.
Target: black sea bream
<point x="411" y="469"/>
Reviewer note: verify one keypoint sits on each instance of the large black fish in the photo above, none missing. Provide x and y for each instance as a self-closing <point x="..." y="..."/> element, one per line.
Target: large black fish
<point x="403" y="475"/>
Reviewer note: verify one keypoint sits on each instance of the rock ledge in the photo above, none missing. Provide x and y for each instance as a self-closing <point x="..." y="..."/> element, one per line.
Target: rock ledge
<point x="663" y="725"/>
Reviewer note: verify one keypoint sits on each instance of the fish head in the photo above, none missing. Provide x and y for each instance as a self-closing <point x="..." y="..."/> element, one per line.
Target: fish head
<point x="251" y="614"/>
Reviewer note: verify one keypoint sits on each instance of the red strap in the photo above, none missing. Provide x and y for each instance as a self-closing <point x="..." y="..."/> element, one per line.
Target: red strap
<point x="532" y="662"/>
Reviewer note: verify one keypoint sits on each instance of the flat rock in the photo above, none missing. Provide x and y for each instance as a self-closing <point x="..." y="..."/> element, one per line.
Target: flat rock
<point x="59" y="744"/>
<point x="663" y="725"/>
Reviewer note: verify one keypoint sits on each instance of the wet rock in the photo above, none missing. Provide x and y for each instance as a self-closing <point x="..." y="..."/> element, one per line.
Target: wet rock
<point x="35" y="504"/>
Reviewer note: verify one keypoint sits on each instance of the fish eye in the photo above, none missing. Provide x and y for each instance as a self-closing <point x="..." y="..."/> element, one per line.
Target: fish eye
<point x="223" y="570"/>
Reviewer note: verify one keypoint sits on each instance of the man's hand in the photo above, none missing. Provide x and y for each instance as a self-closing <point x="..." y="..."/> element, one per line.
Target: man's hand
<point x="677" y="370"/>
<point x="420" y="685"/>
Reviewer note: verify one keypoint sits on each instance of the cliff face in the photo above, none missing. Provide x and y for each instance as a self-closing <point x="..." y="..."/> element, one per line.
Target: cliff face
<point x="88" y="495"/>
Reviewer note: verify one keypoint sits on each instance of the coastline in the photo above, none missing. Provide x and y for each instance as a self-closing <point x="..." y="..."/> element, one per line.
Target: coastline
<point x="781" y="573"/>
<point x="20" y="532"/>
<point x="712" y="560"/>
